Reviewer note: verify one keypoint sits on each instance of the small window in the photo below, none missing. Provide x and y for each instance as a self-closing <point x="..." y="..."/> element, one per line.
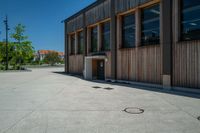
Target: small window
<point x="94" y="39"/>
<point x="128" y="31"/>
<point x="190" y="20"/>
<point x="72" y="44"/>
<point x="106" y="36"/>
<point x="151" y="25"/>
<point x="80" y="42"/>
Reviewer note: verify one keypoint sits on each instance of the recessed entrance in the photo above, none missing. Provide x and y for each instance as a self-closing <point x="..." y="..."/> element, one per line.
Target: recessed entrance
<point x="95" y="68"/>
<point x="98" y="69"/>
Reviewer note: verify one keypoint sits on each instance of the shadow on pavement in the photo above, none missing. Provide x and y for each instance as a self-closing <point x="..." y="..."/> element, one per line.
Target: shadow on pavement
<point x="155" y="88"/>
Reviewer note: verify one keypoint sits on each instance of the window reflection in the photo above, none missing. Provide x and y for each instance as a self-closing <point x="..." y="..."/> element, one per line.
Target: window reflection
<point x="80" y="42"/>
<point x="106" y="36"/>
<point x="72" y="44"/>
<point x="128" y="31"/>
<point x="94" y="39"/>
<point x="190" y="20"/>
<point x="151" y="25"/>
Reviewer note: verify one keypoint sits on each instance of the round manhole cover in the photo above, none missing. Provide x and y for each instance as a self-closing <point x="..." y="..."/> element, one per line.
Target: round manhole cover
<point x="133" y="110"/>
<point x="198" y="118"/>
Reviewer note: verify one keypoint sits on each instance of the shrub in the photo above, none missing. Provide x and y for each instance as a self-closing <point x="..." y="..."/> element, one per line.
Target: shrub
<point x="2" y="67"/>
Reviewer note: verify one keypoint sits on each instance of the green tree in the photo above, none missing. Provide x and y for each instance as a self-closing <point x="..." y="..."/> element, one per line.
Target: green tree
<point x="22" y="49"/>
<point x="52" y="58"/>
<point x="19" y="33"/>
<point x="1" y="51"/>
<point x="1" y="56"/>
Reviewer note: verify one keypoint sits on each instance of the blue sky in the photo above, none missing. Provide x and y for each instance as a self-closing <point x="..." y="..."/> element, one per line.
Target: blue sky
<point x="42" y="19"/>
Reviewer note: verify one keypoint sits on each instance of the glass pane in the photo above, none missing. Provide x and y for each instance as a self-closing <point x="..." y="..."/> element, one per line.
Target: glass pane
<point x="73" y="44"/>
<point x="128" y="31"/>
<point x="190" y="20"/>
<point x="190" y="3"/>
<point x="94" y="39"/>
<point x="80" y="43"/>
<point x="106" y="36"/>
<point x="151" y="25"/>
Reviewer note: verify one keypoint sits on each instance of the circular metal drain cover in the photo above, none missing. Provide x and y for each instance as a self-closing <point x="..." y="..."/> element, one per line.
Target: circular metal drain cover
<point x="198" y="118"/>
<point x="133" y="110"/>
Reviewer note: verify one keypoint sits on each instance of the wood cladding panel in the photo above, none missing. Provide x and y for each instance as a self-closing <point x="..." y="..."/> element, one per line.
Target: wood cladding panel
<point x="75" y="24"/>
<point x="76" y="64"/>
<point x="141" y="64"/>
<point x="108" y="65"/>
<point x="98" y="13"/>
<point x="125" y="5"/>
<point x="102" y="11"/>
<point x="186" y="64"/>
<point x="185" y="54"/>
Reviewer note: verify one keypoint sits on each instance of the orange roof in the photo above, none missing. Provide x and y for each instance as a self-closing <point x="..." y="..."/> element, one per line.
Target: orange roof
<point x="61" y="53"/>
<point x="48" y="51"/>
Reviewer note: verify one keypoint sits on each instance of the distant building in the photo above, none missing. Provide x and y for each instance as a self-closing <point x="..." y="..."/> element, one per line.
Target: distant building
<point x="41" y="54"/>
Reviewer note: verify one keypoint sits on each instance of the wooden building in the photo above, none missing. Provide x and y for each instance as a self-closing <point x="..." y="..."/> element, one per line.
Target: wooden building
<point x="150" y="41"/>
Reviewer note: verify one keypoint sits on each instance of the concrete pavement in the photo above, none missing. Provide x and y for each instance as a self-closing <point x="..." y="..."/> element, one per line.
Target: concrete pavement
<point x="43" y="101"/>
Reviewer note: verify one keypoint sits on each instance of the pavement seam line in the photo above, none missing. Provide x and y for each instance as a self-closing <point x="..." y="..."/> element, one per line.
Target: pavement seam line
<point x="28" y="114"/>
<point x="178" y="107"/>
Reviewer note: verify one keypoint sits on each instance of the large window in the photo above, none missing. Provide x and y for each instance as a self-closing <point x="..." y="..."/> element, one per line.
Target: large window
<point x="94" y="39"/>
<point x="190" y="22"/>
<point x="72" y="44"/>
<point x="80" y="42"/>
<point x="151" y="25"/>
<point x="106" y="36"/>
<point x="128" y="31"/>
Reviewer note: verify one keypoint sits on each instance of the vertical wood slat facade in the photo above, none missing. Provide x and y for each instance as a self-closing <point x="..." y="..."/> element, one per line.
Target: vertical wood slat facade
<point x="141" y="64"/>
<point x="125" y="5"/>
<point x="66" y="49"/>
<point x="76" y="64"/>
<point x="133" y="64"/>
<point x="75" y="24"/>
<point x="98" y="13"/>
<point x="186" y="64"/>
<point x="186" y="57"/>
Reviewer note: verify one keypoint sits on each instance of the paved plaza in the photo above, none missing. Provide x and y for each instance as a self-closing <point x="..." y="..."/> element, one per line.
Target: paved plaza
<point x="48" y="101"/>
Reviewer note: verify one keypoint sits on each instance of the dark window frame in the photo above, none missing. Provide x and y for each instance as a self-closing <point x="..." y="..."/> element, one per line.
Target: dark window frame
<point x="72" y="44"/>
<point x="123" y="28"/>
<point x="94" y="49"/>
<point x="80" y="42"/>
<point x="148" y="21"/>
<point x="183" y="36"/>
<point x="103" y="36"/>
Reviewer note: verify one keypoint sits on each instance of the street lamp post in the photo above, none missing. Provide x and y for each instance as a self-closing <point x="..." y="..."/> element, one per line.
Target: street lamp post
<point x="6" y="24"/>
